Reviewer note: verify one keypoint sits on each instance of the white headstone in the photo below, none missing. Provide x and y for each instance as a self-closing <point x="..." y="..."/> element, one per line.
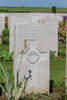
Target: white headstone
<point x="16" y="19"/>
<point x="50" y="21"/>
<point x="2" y="24"/>
<point x="36" y="57"/>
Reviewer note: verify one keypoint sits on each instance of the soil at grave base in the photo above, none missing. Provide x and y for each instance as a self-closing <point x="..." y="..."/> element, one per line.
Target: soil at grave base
<point x="3" y="97"/>
<point x="55" y="95"/>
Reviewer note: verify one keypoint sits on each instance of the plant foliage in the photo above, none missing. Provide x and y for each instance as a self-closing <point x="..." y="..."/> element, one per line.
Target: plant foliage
<point x="16" y="90"/>
<point x="5" y="36"/>
<point x="53" y="9"/>
<point x="11" y="91"/>
<point x="5" y="56"/>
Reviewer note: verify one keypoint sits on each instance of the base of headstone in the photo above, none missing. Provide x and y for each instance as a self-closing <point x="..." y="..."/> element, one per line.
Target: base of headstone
<point x="0" y="40"/>
<point x="35" y="90"/>
<point x="56" y="54"/>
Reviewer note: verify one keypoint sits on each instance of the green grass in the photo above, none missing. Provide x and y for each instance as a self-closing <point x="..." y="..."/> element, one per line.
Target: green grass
<point x="57" y="67"/>
<point x="4" y="47"/>
<point x="31" y="9"/>
<point x="9" y="66"/>
<point x="62" y="49"/>
<point x="57" y="72"/>
<point x="62" y="10"/>
<point x="26" y="9"/>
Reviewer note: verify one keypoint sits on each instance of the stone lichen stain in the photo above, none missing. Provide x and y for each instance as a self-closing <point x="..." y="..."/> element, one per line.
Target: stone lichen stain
<point x="41" y="21"/>
<point x="38" y="21"/>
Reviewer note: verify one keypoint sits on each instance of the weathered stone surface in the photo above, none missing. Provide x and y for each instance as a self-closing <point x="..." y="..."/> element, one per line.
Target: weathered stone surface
<point x="36" y="57"/>
<point x="49" y="21"/>
<point x="16" y="20"/>
<point x="2" y="24"/>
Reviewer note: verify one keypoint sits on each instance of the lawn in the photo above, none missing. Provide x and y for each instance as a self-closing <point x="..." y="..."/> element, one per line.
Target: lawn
<point x="57" y="72"/>
<point x="25" y="9"/>
<point x="31" y="9"/>
<point x="4" y="47"/>
<point x="57" y="67"/>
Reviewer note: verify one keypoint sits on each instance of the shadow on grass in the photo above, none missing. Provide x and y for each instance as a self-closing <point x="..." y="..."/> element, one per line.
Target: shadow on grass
<point x="51" y="86"/>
